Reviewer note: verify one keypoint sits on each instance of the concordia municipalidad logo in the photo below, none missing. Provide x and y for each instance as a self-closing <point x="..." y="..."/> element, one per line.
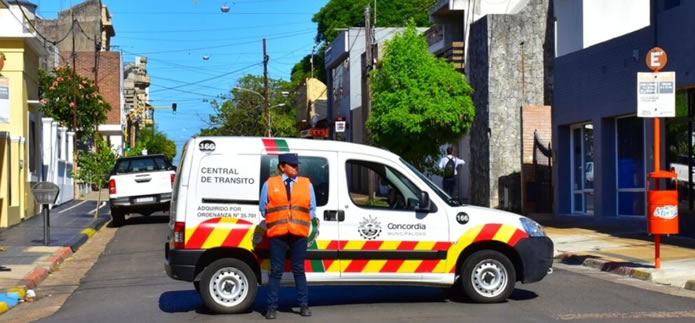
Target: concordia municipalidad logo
<point x="369" y="228"/>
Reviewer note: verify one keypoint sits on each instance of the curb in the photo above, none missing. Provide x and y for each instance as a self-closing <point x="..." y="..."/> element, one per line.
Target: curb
<point x="76" y="242"/>
<point x="31" y="280"/>
<point x="621" y="268"/>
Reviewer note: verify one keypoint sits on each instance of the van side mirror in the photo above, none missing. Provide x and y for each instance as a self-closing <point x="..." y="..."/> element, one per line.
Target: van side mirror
<point x="424" y="202"/>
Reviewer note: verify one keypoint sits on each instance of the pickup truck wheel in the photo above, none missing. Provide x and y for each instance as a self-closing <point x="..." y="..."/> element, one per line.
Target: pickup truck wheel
<point x="488" y="276"/>
<point x="117" y="217"/>
<point x="228" y="286"/>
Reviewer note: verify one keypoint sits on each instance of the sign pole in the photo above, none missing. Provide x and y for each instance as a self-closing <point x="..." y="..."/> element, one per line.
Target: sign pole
<point x="657" y="167"/>
<point x="46" y="225"/>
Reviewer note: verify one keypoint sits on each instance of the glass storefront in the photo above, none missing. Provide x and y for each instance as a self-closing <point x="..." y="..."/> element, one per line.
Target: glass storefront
<point x="680" y="156"/>
<point x="583" y="169"/>
<point x="630" y="166"/>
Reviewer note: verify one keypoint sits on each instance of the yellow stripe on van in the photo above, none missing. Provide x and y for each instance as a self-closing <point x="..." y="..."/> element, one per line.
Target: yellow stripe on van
<point x="463" y="242"/>
<point x="374" y="266"/>
<point x="354" y="245"/>
<point x="409" y="266"/>
<point x="219" y="233"/>
<point x="504" y="233"/>
<point x="389" y="245"/>
<point x="425" y="245"/>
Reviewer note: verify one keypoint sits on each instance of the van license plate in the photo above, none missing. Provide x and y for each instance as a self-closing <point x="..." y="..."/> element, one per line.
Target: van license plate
<point x="144" y="199"/>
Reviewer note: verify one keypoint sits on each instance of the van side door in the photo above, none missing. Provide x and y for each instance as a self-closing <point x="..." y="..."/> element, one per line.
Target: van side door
<point x="384" y="234"/>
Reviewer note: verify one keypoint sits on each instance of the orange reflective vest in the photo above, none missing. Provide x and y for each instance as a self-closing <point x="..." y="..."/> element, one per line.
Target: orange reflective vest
<point x="283" y="216"/>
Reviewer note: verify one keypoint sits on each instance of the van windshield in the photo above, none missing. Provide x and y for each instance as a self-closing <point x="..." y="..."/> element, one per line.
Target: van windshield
<point x="448" y="199"/>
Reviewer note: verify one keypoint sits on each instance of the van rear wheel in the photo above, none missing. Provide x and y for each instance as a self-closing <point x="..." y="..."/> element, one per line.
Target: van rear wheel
<point x="228" y="286"/>
<point x="488" y="276"/>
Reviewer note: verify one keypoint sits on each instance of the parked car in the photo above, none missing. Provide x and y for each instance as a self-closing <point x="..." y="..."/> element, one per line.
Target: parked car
<point x="140" y="185"/>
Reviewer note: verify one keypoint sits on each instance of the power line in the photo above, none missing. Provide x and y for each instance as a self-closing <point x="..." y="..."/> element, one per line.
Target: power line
<point x="225" y="45"/>
<point x="210" y="78"/>
<point x="205" y="30"/>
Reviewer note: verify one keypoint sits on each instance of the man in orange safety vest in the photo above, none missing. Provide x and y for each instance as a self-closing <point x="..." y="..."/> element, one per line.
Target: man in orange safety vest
<point x="288" y="203"/>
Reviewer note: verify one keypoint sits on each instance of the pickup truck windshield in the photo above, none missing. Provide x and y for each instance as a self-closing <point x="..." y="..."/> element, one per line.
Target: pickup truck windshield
<point x="448" y="199"/>
<point x="138" y="165"/>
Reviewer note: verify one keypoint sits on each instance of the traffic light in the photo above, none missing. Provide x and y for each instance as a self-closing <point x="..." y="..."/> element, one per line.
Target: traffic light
<point x="173" y="107"/>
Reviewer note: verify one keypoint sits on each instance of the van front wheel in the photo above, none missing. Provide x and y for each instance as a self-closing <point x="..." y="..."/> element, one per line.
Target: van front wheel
<point x="488" y="276"/>
<point x="228" y="286"/>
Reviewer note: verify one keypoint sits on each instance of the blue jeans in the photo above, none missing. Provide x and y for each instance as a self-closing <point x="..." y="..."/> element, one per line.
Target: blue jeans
<point x="449" y="184"/>
<point x="278" y="251"/>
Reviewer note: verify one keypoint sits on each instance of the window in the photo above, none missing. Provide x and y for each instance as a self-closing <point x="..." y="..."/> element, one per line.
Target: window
<point x="382" y="187"/>
<point x="316" y="168"/>
<point x="137" y="165"/>
<point x="630" y="166"/>
<point x="583" y="169"/>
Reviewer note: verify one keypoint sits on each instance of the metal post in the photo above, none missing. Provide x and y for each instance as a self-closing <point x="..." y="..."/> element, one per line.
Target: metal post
<point x="265" y="91"/>
<point x="46" y="225"/>
<point x="657" y="167"/>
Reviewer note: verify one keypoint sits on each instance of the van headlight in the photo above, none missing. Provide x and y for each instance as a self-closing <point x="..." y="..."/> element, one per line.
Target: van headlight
<point x="532" y="228"/>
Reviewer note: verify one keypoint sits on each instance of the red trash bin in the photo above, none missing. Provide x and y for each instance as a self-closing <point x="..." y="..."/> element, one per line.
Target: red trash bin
<point x="662" y="204"/>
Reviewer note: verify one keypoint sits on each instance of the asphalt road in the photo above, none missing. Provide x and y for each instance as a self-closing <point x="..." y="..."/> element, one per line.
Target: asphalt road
<point x="128" y="284"/>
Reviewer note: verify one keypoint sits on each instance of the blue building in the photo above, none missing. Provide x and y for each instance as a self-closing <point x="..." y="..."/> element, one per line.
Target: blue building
<point x="602" y="150"/>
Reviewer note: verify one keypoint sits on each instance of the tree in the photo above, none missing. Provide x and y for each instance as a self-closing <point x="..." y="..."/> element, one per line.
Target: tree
<point x="337" y="14"/>
<point x="419" y="102"/>
<point x="56" y="92"/>
<point x="243" y="114"/>
<point x="95" y="168"/>
<point x="302" y="70"/>
<point x="156" y="142"/>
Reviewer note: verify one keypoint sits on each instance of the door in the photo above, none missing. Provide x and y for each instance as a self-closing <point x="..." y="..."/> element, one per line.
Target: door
<point x="321" y="264"/>
<point x="382" y="235"/>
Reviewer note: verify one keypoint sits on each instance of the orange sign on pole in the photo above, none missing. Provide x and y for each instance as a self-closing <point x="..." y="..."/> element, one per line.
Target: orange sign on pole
<point x="656" y="59"/>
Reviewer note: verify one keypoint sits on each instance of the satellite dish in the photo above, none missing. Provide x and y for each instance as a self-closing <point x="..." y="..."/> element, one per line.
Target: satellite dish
<point x="206" y="57"/>
<point x="224" y="8"/>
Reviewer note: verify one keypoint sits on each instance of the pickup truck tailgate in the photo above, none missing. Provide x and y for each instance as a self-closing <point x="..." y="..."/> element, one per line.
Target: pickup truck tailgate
<point x="143" y="183"/>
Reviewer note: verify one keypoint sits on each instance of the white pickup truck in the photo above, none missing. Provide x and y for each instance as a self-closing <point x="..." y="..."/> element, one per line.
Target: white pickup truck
<point x="141" y="185"/>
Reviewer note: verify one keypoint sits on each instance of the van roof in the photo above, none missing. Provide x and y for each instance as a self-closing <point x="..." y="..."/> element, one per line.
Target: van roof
<point x="278" y="144"/>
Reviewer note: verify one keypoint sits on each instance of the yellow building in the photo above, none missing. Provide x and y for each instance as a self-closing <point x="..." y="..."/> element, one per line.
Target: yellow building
<point x="20" y="118"/>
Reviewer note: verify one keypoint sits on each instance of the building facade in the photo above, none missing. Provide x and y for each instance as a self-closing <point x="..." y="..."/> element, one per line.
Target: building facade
<point x="136" y="95"/>
<point x="603" y="150"/>
<point x="20" y="116"/>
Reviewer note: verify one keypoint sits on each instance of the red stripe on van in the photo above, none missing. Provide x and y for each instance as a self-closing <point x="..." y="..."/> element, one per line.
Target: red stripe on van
<point x="270" y="147"/>
<point x="407" y="245"/>
<point x="488" y="232"/>
<point x="234" y="237"/>
<point x="356" y="266"/>
<point x="392" y="266"/>
<point x="372" y="245"/>
<point x="201" y="233"/>
<point x="442" y="246"/>
<point x="427" y="265"/>
<point x="518" y="235"/>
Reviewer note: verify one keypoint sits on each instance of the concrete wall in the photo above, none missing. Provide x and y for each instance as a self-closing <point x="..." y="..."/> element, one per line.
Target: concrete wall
<point x="505" y="75"/>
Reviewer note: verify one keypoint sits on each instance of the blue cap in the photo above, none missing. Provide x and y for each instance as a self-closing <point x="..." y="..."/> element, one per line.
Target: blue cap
<point x="288" y="158"/>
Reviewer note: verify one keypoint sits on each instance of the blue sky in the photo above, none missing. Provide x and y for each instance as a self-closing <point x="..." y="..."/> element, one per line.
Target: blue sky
<point x="176" y="34"/>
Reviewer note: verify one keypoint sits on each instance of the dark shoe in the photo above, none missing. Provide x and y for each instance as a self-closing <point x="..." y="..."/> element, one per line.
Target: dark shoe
<point x="271" y="314"/>
<point x="305" y="311"/>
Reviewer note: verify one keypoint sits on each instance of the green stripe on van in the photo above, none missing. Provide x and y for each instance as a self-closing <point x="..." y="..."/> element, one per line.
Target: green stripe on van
<point x="282" y="145"/>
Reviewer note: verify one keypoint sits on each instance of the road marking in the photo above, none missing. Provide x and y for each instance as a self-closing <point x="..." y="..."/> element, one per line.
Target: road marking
<point x="100" y="206"/>
<point x="72" y="207"/>
<point x="630" y="315"/>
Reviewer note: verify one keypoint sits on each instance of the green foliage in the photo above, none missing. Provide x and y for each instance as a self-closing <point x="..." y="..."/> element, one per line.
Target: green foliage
<point x="95" y="167"/>
<point x="302" y="70"/>
<point x="156" y="142"/>
<point x="56" y="92"/>
<point x="338" y="14"/>
<point x="243" y="115"/>
<point x="419" y="102"/>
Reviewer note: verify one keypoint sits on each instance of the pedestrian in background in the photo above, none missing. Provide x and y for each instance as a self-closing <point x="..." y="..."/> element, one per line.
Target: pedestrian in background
<point x="288" y="204"/>
<point x="449" y="165"/>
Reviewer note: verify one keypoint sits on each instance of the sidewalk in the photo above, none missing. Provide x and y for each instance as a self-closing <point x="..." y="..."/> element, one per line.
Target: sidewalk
<point x="25" y="260"/>
<point x="627" y="251"/>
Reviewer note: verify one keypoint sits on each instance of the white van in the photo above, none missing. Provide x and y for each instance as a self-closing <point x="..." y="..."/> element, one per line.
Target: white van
<point x="381" y="222"/>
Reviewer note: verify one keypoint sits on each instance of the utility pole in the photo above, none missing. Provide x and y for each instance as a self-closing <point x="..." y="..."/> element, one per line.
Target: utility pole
<point x="265" y="91"/>
<point x="96" y="85"/>
<point x="76" y="193"/>
<point x="368" y="65"/>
